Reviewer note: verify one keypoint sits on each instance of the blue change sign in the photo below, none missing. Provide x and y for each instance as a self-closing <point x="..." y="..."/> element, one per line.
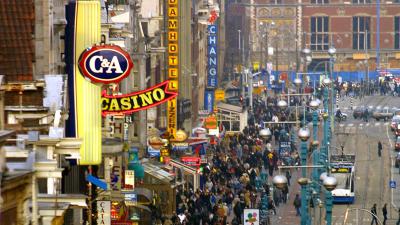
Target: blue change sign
<point x="212" y="56"/>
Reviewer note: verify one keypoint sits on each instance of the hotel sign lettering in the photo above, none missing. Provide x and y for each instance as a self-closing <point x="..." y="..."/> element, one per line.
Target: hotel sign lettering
<point x="173" y="65"/>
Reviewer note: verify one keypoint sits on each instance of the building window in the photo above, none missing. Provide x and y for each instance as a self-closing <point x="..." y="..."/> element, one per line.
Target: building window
<point x="319" y="33"/>
<point x="397" y="32"/>
<point x="275" y="2"/>
<point x="361" y="1"/>
<point x="319" y="1"/>
<point x="361" y="32"/>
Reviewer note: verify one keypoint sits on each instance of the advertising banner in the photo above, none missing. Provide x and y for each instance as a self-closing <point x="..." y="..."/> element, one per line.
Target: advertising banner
<point x="129" y="179"/>
<point x="136" y="101"/>
<point x="209" y="100"/>
<point x="212" y="56"/>
<point x="83" y="29"/>
<point x="103" y="212"/>
<point x="173" y="64"/>
<point x="251" y="217"/>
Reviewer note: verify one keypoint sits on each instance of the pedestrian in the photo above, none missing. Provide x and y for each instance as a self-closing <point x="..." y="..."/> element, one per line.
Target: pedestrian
<point x="373" y="212"/>
<point x="384" y="212"/>
<point x="288" y="176"/>
<point x="297" y="204"/>
<point x="379" y="148"/>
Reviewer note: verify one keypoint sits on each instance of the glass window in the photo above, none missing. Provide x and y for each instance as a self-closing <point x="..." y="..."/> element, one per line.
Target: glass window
<point x="361" y="1"/>
<point x="361" y="33"/>
<point x="397" y="32"/>
<point x="319" y="33"/>
<point x="319" y="1"/>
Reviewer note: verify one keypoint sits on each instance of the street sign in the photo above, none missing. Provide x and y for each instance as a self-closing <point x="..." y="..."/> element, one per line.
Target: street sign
<point x="219" y="95"/>
<point x="392" y="184"/>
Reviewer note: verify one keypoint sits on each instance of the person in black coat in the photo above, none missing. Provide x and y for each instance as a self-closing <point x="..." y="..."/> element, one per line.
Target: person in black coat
<point x="379" y="148"/>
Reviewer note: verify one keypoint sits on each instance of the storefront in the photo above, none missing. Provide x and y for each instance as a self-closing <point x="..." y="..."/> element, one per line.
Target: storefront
<point x="232" y="117"/>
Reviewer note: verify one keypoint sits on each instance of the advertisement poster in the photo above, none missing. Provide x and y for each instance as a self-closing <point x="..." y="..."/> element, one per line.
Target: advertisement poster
<point x="251" y="217"/>
<point x="129" y="179"/>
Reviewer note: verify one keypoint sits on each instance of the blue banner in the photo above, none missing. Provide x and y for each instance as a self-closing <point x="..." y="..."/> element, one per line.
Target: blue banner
<point x="212" y="55"/>
<point x="209" y="100"/>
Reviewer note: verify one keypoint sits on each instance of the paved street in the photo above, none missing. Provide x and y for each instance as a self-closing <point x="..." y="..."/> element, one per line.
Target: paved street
<point x="372" y="173"/>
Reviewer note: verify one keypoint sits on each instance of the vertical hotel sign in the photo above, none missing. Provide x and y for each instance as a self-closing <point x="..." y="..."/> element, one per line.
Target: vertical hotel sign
<point x="173" y="71"/>
<point x="212" y="68"/>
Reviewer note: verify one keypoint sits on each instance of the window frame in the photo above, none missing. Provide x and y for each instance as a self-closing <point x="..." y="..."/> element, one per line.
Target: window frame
<point x="360" y="25"/>
<point x="396" y="29"/>
<point x="319" y="38"/>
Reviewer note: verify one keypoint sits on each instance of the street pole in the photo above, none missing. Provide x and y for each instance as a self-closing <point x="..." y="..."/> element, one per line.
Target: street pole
<point x="304" y="205"/>
<point x="315" y="156"/>
<point x="250" y="81"/>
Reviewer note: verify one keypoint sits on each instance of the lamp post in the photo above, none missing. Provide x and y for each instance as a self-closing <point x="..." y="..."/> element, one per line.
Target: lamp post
<point x="331" y="52"/>
<point x="304" y="135"/>
<point x="324" y="150"/>
<point x="314" y="104"/>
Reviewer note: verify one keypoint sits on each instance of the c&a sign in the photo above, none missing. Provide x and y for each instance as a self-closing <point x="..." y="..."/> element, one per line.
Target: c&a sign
<point x="105" y="64"/>
<point x="136" y="101"/>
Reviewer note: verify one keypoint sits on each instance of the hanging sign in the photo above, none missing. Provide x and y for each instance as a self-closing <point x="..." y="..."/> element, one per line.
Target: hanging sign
<point x="136" y="101"/>
<point x="103" y="212"/>
<point x="105" y="64"/>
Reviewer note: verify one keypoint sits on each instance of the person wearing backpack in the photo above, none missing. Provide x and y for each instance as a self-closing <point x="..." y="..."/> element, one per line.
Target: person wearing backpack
<point x="297" y="204"/>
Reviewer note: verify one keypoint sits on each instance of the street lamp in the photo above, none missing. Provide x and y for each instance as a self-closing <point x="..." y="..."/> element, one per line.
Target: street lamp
<point x="265" y="134"/>
<point x="279" y="181"/>
<point x="282" y="104"/>
<point x="304" y="135"/>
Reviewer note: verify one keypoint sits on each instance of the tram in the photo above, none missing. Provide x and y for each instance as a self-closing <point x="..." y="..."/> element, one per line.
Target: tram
<point x="343" y="169"/>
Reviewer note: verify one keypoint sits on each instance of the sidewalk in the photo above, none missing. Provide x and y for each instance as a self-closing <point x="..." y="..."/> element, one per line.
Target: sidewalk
<point x="286" y="213"/>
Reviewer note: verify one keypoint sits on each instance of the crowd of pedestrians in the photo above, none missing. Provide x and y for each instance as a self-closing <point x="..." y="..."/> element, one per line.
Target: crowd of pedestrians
<point x="236" y="175"/>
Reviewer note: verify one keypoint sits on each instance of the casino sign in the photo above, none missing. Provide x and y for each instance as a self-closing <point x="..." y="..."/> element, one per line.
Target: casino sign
<point x="105" y="64"/>
<point x="136" y="101"/>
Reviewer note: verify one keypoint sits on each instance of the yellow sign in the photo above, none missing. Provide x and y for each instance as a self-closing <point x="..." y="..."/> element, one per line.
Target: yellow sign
<point x="171" y="117"/>
<point x="219" y="95"/>
<point x="173" y="65"/>
<point x="87" y="109"/>
<point x="257" y="90"/>
<point x="360" y="56"/>
<point x="256" y="65"/>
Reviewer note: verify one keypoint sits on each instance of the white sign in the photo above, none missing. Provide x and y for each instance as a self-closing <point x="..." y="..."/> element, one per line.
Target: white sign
<point x="251" y="217"/>
<point x="129" y="179"/>
<point x="103" y="212"/>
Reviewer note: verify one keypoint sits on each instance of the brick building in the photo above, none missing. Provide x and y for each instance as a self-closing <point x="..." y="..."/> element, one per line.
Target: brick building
<point x="351" y="27"/>
<point x="288" y="26"/>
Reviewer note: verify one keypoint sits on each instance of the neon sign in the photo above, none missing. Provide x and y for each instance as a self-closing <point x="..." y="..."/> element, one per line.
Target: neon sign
<point x="136" y="101"/>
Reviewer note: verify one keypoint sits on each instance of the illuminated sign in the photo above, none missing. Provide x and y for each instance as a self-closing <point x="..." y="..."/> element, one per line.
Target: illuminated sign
<point x="105" y="64"/>
<point x="136" y="101"/>
<point x="341" y="170"/>
<point x="212" y="68"/>
<point x="211" y="122"/>
<point x="212" y="57"/>
<point x="173" y="64"/>
<point x="191" y="161"/>
<point x="219" y="95"/>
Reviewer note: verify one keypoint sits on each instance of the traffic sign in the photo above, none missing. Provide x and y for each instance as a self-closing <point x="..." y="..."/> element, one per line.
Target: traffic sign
<point x="392" y="184"/>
